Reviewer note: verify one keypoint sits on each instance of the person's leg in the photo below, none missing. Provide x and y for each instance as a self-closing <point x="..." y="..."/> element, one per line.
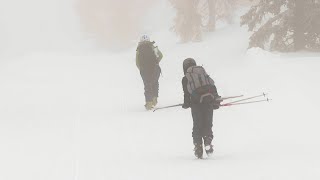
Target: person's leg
<point x="197" y="122"/>
<point x="196" y="131"/>
<point x="155" y="85"/>
<point x="207" y="128"/>
<point x="207" y="112"/>
<point x="147" y="81"/>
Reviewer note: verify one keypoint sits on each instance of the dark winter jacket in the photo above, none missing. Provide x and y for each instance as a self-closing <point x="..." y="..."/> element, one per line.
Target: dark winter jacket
<point x="147" y="56"/>
<point x="187" y="97"/>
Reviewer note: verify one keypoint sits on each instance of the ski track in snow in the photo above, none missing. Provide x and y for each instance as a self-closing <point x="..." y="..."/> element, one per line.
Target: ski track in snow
<point x="81" y="116"/>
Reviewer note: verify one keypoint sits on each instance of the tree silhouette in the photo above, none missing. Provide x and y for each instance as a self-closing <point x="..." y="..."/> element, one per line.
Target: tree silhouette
<point x="284" y="25"/>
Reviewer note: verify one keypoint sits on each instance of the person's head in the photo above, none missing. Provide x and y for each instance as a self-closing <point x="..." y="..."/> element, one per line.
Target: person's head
<point x="144" y="38"/>
<point x="188" y="63"/>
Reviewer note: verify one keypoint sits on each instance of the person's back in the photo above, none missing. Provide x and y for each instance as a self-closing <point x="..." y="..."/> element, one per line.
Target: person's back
<point x="146" y="56"/>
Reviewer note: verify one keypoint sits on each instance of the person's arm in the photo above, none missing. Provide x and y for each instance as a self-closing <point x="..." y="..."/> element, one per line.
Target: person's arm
<point x="137" y="60"/>
<point x="215" y="91"/>
<point x="158" y="53"/>
<point x="217" y="98"/>
<point x="187" y="98"/>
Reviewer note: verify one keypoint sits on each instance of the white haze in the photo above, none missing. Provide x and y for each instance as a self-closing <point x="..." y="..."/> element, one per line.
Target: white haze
<point x="115" y="23"/>
<point x="38" y="25"/>
<point x="65" y="25"/>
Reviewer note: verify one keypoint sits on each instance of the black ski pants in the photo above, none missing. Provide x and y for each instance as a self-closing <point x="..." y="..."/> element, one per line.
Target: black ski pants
<point x="202" y="115"/>
<point x="151" y="83"/>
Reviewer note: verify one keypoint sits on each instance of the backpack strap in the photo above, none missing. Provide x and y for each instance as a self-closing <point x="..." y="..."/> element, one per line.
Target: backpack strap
<point x="205" y="95"/>
<point x="200" y="80"/>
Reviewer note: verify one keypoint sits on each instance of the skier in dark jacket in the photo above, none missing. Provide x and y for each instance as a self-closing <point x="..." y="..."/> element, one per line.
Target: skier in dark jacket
<point x="148" y="58"/>
<point x="201" y="113"/>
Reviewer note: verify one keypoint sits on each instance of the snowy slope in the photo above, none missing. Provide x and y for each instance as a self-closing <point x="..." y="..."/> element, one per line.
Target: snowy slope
<point x="80" y="115"/>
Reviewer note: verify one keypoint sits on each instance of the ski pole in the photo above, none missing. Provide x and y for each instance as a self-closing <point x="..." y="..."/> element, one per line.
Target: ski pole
<point x="166" y="107"/>
<point x="240" y="100"/>
<point x="229" y="97"/>
<point x="250" y="102"/>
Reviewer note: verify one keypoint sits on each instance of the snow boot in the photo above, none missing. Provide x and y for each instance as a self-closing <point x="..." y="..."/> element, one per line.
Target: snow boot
<point x="154" y="101"/>
<point x="207" y="145"/>
<point x="148" y="105"/>
<point x="198" y="150"/>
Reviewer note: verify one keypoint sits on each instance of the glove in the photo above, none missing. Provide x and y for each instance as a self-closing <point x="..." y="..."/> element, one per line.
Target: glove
<point x="217" y="103"/>
<point x="218" y="98"/>
<point x="185" y="105"/>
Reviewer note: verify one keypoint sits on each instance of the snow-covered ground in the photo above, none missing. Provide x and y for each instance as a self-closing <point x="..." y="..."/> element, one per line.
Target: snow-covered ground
<point x="80" y="115"/>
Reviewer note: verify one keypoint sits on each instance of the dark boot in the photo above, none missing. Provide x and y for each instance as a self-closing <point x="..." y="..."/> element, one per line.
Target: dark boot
<point x="154" y="101"/>
<point x="148" y="105"/>
<point x="207" y="145"/>
<point x="198" y="150"/>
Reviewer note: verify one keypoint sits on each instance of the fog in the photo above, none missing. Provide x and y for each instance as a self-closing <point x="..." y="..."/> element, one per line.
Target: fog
<point x="65" y="25"/>
<point x="115" y="23"/>
<point x="36" y="25"/>
<point x="72" y="99"/>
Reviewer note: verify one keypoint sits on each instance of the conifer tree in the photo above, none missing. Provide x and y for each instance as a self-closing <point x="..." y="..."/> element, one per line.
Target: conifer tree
<point x="187" y="23"/>
<point x="284" y="25"/>
<point x="196" y="16"/>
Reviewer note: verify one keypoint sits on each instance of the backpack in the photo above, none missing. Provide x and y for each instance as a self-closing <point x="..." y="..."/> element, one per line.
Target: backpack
<point x="147" y="56"/>
<point x="200" y="85"/>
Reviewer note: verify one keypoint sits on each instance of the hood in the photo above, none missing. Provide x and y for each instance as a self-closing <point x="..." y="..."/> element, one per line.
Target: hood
<point x="188" y="63"/>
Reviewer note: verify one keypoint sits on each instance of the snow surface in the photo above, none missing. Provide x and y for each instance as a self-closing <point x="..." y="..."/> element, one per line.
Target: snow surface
<point x="80" y="115"/>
